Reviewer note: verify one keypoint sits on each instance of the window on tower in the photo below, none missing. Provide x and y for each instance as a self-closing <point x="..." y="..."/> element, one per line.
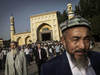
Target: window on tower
<point x="69" y="8"/>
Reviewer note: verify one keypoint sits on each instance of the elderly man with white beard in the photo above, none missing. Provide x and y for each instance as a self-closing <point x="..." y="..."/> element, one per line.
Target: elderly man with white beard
<point x="15" y="61"/>
<point x="77" y="59"/>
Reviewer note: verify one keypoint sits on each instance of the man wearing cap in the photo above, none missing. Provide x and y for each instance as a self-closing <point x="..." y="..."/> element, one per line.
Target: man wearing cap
<point x="15" y="61"/>
<point x="77" y="59"/>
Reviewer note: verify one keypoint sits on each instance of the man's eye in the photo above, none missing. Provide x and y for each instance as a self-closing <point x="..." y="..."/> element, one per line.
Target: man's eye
<point x="75" y="39"/>
<point x="87" y="39"/>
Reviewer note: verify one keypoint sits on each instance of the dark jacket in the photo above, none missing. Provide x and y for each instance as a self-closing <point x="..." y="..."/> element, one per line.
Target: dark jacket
<point x="43" y="56"/>
<point x="34" y="50"/>
<point x="60" y="65"/>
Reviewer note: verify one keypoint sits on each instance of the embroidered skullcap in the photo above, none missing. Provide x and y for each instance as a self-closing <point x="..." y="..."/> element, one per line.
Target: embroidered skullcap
<point x="76" y="21"/>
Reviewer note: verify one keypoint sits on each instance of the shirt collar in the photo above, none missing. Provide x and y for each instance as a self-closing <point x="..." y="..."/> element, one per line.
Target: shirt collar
<point x="72" y="62"/>
<point x="89" y="63"/>
<point x="39" y="49"/>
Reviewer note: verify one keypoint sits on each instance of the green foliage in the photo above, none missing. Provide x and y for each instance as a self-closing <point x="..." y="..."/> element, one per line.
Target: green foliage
<point x="95" y="27"/>
<point x="90" y="9"/>
<point x="62" y="16"/>
<point x="87" y="8"/>
<point x="7" y="43"/>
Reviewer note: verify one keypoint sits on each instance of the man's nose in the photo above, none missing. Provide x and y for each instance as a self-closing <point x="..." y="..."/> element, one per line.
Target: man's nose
<point x="13" y="47"/>
<point x="82" y="44"/>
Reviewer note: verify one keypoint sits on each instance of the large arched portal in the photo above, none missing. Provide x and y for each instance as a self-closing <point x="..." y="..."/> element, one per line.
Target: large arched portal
<point x="44" y="32"/>
<point x="45" y="27"/>
<point x="20" y="41"/>
<point x="27" y="40"/>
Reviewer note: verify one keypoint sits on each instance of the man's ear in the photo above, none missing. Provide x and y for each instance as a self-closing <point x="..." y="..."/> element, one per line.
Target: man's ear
<point x="63" y="41"/>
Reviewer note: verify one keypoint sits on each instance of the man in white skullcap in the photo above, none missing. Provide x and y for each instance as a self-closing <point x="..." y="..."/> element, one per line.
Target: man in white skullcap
<point x="15" y="61"/>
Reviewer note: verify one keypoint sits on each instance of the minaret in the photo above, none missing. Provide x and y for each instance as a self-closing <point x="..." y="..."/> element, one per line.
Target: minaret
<point x="70" y="11"/>
<point x="12" y="27"/>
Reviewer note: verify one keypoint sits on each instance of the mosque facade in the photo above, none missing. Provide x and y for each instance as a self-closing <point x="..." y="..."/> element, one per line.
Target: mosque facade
<point x="43" y="27"/>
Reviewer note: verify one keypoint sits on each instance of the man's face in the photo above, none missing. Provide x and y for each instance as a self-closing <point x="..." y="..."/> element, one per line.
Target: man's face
<point x="77" y="42"/>
<point x="57" y="44"/>
<point x="39" y="46"/>
<point x="13" y="46"/>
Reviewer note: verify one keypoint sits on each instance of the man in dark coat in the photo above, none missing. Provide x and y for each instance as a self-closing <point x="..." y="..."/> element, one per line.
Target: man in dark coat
<point x="34" y="49"/>
<point x="77" y="59"/>
<point x="41" y="56"/>
<point x="1" y="59"/>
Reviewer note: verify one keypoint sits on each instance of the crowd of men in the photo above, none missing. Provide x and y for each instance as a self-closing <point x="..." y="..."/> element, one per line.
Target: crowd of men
<point x="76" y="57"/>
<point x="49" y="48"/>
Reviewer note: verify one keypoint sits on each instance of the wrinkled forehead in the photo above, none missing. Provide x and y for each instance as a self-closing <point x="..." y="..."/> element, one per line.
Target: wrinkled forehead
<point x="78" y="31"/>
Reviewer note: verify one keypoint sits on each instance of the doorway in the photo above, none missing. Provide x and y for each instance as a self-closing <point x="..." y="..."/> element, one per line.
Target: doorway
<point x="46" y="36"/>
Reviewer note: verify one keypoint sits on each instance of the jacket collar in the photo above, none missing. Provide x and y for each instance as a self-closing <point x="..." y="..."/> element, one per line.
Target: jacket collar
<point x="65" y="65"/>
<point x="95" y="61"/>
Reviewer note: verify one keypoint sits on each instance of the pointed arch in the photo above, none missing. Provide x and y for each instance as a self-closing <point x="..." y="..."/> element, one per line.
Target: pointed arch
<point x="44" y="28"/>
<point x="20" y="41"/>
<point x="27" y="40"/>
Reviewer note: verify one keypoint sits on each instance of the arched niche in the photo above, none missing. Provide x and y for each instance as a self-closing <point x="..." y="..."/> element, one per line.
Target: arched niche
<point x="27" y="40"/>
<point x="20" y="41"/>
<point x="44" y="32"/>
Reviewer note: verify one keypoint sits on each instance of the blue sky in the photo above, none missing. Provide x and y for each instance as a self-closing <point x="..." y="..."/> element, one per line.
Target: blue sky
<point x="22" y="9"/>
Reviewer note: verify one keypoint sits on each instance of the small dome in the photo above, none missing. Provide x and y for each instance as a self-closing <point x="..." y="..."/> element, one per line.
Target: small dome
<point x="11" y="15"/>
<point x="69" y="4"/>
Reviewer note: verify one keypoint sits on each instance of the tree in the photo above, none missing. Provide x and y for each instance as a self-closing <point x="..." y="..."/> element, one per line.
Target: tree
<point x="90" y="10"/>
<point x="95" y="27"/>
<point x="7" y="43"/>
<point x="62" y="16"/>
<point x="87" y="8"/>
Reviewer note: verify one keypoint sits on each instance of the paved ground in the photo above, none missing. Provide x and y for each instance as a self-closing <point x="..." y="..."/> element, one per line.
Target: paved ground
<point x="32" y="70"/>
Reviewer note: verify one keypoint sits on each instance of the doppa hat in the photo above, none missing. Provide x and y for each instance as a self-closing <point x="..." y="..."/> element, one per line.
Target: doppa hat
<point x="76" y="21"/>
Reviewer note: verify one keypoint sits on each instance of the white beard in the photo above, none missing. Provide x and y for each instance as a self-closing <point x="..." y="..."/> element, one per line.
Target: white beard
<point x="14" y="52"/>
<point x="80" y="63"/>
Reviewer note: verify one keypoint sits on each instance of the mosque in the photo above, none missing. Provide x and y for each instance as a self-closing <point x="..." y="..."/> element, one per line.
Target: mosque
<point x="43" y="27"/>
